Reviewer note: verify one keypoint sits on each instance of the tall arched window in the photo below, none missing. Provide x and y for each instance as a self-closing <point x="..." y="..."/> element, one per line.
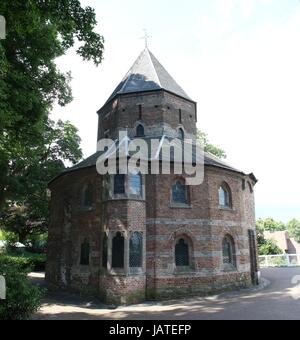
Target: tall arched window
<point x="228" y="251"/>
<point x="179" y="192"/>
<point x="181" y="134"/>
<point x="104" y="251"/>
<point x="136" y="250"/>
<point x="135" y="184"/>
<point x="118" y="251"/>
<point x="140" y="131"/>
<point x="85" y="253"/>
<point x="87" y="196"/>
<point x="224" y="196"/>
<point x="119" y="184"/>
<point x="182" y="253"/>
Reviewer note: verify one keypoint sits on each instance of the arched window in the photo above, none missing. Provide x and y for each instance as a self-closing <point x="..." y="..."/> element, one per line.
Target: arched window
<point x="250" y="187"/>
<point x="119" y="184"/>
<point x="118" y="251"/>
<point x="140" y="131"/>
<point x="135" y="184"/>
<point x="182" y="253"/>
<point x="224" y="196"/>
<point x="87" y="196"/>
<point x="135" y="250"/>
<point x="85" y="253"/>
<point x="228" y="251"/>
<point x="181" y="134"/>
<point x="104" y="251"/>
<point x="179" y="192"/>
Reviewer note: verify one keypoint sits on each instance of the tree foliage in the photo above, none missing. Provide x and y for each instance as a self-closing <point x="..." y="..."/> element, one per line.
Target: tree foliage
<point x="208" y="147"/>
<point x="38" y="31"/>
<point x="30" y="170"/>
<point x="269" y="224"/>
<point x="293" y="228"/>
<point x="268" y="247"/>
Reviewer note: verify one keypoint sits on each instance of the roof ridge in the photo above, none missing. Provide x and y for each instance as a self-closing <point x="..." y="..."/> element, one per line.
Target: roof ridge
<point x="155" y="71"/>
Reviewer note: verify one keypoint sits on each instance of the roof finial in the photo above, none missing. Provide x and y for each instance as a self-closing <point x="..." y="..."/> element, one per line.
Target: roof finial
<point x="146" y="37"/>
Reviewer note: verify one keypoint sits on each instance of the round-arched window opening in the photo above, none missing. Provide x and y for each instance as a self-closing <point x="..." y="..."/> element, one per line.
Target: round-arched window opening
<point x="181" y="134"/>
<point x="224" y="197"/>
<point x="182" y="253"/>
<point x="179" y="192"/>
<point x="140" y="131"/>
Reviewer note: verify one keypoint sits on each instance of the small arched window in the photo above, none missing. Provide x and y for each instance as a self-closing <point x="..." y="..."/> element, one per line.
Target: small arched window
<point x="179" y="192"/>
<point x="85" y="253"/>
<point x="181" y="134"/>
<point x="87" y="196"/>
<point x="182" y="253"/>
<point x="118" y="251"/>
<point x="135" y="184"/>
<point x="136" y="250"/>
<point x="228" y="251"/>
<point x="104" y="251"/>
<point x="250" y="187"/>
<point x="119" y="184"/>
<point x="140" y="131"/>
<point x="224" y="196"/>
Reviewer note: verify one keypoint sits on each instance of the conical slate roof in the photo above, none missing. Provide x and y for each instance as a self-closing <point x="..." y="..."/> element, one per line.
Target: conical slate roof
<point x="147" y="74"/>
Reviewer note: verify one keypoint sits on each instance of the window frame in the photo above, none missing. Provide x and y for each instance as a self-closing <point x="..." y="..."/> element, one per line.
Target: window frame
<point x="132" y="252"/>
<point x="231" y="265"/>
<point x="224" y="187"/>
<point x="81" y="258"/>
<point x="118" y="247"/>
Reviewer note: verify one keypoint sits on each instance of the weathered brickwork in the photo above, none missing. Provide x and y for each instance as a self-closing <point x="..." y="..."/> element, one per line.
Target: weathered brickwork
<point x="82" y="238"/>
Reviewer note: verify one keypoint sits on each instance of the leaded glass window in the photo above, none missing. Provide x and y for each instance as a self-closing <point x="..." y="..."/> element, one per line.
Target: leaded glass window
<point x="224" y="197"/>
<point x="87" y="196"/>
<point x="135" y="184"/>
<point x="179" y="192"/>
<point x="104" y="251"/>
<point x="119" y="184"/>
<point x="135" y="250"/>
<point x="181" y="134"/>
<point x="140" y="131"/>
<point x="182" y="253"/>
<point x="118" y="251"/>
<point x="85" y="253"/>
<point x="228" y="251"/>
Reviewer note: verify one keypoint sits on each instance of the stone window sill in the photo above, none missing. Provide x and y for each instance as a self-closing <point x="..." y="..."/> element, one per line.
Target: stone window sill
<point x="226" y="208"/>
<point x="180" y="206"/>
<point x="229" y="269"/>
<point x="184" y="271"/>
<point x="124" y="199"/>
<point x="87" y="209"/>
<point x="117" y="272"/>
<point x="136" y="271"/>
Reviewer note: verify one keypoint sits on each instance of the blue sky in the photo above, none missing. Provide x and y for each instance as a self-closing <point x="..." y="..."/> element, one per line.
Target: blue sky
<point x="239" y="59"/>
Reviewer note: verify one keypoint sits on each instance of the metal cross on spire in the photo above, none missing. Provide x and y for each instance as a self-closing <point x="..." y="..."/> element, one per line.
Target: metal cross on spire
<point x="146" y="37"/>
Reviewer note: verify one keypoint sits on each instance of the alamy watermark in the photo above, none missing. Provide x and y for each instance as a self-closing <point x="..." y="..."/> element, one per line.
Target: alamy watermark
<point x="2" y="27"/>
<point x="2" y="288"/>
<point x="154" y="156"/>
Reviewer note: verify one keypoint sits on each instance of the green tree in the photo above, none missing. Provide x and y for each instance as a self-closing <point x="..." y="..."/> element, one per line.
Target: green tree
<point x="208" y="147"/>
<point x="269" y="224"/>
<point x="293" y="228"/>
<point x="268" y="247"/>
<point x="31" y="169"/>
<point x="38" y="32"/>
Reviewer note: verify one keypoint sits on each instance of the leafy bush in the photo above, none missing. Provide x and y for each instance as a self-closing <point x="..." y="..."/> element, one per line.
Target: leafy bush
<point x="22" y="299"/>
<point x="28" y="261"/>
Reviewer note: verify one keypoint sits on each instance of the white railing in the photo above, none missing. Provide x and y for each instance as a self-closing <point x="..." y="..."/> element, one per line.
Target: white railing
<point x="284" y="260"/>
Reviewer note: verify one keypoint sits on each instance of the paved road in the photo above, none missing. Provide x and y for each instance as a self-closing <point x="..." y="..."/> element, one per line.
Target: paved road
<point x="277" y="301"/>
